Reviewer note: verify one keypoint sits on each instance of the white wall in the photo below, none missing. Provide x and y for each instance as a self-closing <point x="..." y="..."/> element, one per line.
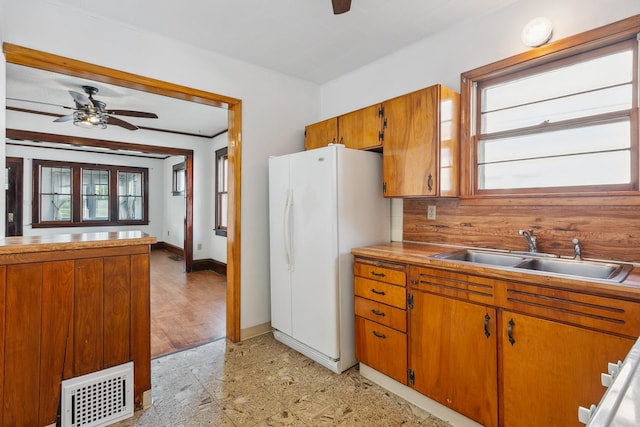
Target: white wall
<point x="175" y="207"/>
<point x="443" y="57"/>
<point x="156" y="212"/>
<point x="275" y="107"/>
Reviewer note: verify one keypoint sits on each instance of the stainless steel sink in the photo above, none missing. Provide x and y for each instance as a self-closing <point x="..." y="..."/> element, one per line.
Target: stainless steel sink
<point x="581" y="269"/>
<point x="542" y="264"/>
<point x="482" y="257"/>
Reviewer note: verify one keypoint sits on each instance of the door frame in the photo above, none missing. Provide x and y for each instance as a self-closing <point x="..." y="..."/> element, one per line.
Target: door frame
<point x="18" y="163"/>
<point x="59" y="64"/>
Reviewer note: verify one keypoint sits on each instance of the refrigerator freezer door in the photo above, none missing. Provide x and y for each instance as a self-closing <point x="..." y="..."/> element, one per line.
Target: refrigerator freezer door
<point x="280" y="226"/>
<point x="314" y="290"/>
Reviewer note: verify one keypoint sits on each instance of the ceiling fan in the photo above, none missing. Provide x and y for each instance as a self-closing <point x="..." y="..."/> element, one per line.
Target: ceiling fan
<point x="91" y="113"/>
<point x="341" y="6"/>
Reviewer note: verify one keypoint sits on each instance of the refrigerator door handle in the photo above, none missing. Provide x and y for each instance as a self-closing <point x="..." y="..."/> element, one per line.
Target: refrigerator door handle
<point x="286" y="227"/>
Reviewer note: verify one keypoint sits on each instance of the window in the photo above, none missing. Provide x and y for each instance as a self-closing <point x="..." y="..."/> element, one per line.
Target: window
<point x="179" y="179"/>
<point x="77" y="194"/>
<point x="566" y="125"/>
<point x="222" y="170"/>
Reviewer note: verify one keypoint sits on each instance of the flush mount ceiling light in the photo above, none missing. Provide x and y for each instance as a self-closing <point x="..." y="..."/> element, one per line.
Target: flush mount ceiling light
<point x="537" y="32"/>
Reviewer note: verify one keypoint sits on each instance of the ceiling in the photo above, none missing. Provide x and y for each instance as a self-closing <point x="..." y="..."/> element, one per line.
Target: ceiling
<point x="300" y="38"/>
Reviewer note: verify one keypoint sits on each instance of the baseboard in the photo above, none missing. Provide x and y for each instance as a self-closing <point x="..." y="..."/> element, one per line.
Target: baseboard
<point x="254" y="331"/>
<point x="168" y="247"/>
<point x="209" y="264"/>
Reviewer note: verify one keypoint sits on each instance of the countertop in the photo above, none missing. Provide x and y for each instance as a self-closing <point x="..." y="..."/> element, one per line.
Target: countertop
<point x="421" y="254"/>
<point x="72" y="241"/>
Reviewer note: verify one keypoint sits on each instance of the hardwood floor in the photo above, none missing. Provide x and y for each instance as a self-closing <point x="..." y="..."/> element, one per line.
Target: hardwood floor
<point x="186" y="309"/>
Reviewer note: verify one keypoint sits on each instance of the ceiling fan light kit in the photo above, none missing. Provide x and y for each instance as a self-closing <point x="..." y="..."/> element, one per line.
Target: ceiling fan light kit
<point x="89" y="120"/>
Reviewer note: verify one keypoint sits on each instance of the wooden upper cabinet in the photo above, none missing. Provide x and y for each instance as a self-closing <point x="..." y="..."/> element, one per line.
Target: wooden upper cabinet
<point x="420" y="140"/>
<point x="361" y="129"/>
<point x="321" y="134"/>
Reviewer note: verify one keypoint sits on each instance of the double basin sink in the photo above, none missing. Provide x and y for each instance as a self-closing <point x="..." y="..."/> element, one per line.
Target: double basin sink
<point x="542" y="264"/>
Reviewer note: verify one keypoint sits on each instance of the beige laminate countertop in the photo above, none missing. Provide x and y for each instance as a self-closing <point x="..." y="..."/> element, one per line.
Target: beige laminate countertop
<point x="72" y="241"/>
<point x="420" y="254"/>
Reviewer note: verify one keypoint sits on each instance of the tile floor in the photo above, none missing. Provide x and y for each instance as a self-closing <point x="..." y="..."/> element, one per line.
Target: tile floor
<point x="261" y="382"/>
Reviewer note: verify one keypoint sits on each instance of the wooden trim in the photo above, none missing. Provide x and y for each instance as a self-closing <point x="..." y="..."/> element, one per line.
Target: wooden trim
<point x="46" y="61"/>
<point x="210" y="264"/>
<point x="167" y="247"/>
<point x="17" y="163"/>
<point x="233" y="225"/>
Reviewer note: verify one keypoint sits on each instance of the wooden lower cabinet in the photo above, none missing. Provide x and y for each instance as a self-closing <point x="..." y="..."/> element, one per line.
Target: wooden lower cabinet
<point x="382" y="348"/>
<point x="68" y="313"/>
<point x="453" y="355"/>
<point x="551" y="368"/>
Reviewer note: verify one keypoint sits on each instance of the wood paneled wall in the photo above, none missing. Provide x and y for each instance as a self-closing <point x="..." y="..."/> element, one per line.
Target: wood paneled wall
<point x="605" y="231"/>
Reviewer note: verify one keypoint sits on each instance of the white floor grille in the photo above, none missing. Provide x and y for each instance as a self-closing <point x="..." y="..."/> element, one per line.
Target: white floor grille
<point x="99" y="398"/>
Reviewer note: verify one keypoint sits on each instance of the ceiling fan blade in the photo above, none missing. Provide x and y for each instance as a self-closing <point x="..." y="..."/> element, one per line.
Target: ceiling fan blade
<point x="117" y="122"/>
<point x="64" y="118"/>
<point x="132" y="113"/>
<point x="341" y="6"/>
<point x="80" y="98"/>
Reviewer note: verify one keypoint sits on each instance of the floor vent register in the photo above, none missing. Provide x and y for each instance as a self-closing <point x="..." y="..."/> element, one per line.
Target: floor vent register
<point x="98" y="399"/>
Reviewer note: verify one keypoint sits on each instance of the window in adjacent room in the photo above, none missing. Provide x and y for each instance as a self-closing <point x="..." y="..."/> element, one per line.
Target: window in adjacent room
<point x="222" y="170"/>
<point x="568" y="125"/>
<point x="179" y="179"/>
<point x="78" y="194"/>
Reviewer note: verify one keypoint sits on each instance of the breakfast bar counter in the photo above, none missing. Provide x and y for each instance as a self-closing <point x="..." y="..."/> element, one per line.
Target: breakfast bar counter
<point x="71" y="304"/>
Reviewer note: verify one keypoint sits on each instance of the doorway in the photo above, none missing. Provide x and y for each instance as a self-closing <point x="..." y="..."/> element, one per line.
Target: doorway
<point x="33" y="58"/>
<point x="13" y="196"/>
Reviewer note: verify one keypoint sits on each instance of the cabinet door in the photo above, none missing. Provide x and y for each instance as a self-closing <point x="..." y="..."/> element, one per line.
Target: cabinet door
<point x="410" y="144"/>
<point x="361" y="129"/>
<point x="453" y="355"/>
<point x="551" y="368"/>
<point x="321" y="134"/>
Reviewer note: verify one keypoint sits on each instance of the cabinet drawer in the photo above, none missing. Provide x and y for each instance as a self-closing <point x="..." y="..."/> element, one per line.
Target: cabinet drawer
<point x="382" y="348"/>
<point x="381" y="313"/>
<point x="382" y="292"/>
<point x="381" y="272"/>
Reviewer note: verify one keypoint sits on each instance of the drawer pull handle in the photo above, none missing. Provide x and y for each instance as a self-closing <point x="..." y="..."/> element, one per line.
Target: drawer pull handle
<point x="373" y="273"/>
<point x="383" y="336"/>
<point x="378" y="292"/>
<point x="510" y="331"/>
<point x="377" y="313"/>
<point x="486" y="325"/>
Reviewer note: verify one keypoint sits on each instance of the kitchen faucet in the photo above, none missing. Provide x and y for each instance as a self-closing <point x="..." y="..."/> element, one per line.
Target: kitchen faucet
<point x="531" y="240"/>
<point x="577" y="250"/>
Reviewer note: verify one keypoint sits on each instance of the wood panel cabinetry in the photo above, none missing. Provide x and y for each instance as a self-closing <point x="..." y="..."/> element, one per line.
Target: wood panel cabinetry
<point x="381" y="317"/>
<point x="321" y="134"/>
<point x="501" y="352"/>
<point x="453" y="345"/>
<point x="68" y="313"/>
<point x="361" y="129"/>
<point x="420" y="154"/>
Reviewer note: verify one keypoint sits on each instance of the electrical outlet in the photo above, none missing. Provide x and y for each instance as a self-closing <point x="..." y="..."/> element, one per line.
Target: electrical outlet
<point x="431" y="212"/>
<point x="199" y="246"/>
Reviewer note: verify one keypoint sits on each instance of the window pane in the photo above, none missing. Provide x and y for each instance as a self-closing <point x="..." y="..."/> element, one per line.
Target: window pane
<point x="223" y="210"/>
<point x="95" y="194"/>
<point x="55" y="180"/>
<point x="602" y="101"/>
<point x="576" y="170"/>
<point x="130" y="195"/>
<point x="55" y="207"/>
<point x="130" y="207"/>
<point x="599" y="137"/>
<point x="605" y="71"/>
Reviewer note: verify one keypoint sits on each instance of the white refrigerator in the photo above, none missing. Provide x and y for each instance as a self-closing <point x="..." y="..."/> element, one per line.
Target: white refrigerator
<point x="322" y="203"/>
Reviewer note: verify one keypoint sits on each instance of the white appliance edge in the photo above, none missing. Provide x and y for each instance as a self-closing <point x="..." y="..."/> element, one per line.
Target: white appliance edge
<point x="322" y="203"/>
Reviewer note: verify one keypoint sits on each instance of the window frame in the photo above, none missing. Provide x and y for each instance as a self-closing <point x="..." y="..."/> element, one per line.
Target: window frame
<point x="556" y="53"/>
<point x="76" y="219"/>
<point x="221" y="154"/>
<point x="176" y="189"/>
